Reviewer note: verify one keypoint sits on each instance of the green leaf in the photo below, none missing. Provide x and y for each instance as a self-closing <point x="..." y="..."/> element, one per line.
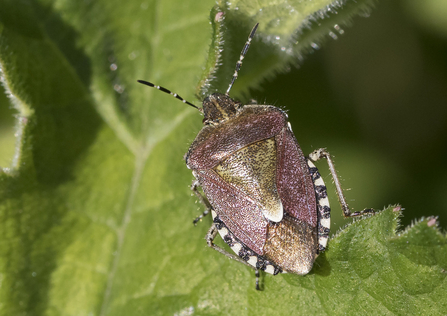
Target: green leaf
<point x="287" y="31"/>
<point x="96" y="212"/>
<point x="373" y="269"/>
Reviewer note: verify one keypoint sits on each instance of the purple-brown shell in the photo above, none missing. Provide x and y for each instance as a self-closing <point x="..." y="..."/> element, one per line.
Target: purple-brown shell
<point x="215" y="142"/>
<point x="240" y="212"/>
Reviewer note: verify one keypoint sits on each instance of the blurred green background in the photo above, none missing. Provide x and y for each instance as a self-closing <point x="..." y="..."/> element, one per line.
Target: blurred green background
<point x="376" y="98"/>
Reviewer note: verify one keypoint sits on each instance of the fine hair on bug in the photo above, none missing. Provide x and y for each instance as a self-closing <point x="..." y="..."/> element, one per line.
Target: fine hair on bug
<point x="268" y="201"/>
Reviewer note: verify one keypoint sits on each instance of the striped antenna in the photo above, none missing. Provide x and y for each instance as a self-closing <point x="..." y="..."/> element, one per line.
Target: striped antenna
<point x="244" y="51"/>
<point x="169" y="92"/>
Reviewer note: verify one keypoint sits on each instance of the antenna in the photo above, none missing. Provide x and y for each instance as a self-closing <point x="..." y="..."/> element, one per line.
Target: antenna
<point x="244" y="51"/>
<point x="169" y="92"/>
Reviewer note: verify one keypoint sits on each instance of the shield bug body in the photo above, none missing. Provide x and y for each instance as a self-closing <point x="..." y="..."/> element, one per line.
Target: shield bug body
<point x="268" y="201"/>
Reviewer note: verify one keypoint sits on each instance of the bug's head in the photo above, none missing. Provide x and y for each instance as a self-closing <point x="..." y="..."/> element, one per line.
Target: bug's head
<point x="218" y="108"/>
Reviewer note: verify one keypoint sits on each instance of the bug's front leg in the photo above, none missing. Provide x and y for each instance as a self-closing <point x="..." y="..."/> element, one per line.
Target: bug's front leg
<point x="202" y="199"/>
<point x="322" y="153"/>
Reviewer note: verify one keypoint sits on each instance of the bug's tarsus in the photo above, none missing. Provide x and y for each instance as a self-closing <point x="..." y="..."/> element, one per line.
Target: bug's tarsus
<point x="322" y="153"/>
<point x="175" y="95"/>
<point x="243" y="52"/>
<point x="199" y="218"/>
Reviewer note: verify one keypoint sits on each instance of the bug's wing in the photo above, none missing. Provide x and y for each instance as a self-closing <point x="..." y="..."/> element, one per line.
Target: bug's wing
<point x="239" y="212"/>
<point x="294" y="181"/>
<point x="252" y="170"/>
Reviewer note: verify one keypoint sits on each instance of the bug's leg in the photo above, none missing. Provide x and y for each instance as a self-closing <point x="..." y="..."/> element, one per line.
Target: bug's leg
<point x="202" y="199"/>
<point x="212" y="232"/>
<point x="322" y="153"/>
<point x="211" y="235"/>
<point x="257" y="280"/>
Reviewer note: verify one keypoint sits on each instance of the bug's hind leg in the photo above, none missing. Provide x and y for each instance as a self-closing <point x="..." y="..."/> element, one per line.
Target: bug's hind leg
<point x="211" y="235"/>
<point x="212" y="232"/>
<point x="322" y="153"/>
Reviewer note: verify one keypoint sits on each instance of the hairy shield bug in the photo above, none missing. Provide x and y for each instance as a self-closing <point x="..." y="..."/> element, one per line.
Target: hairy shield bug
<point x="268" y="201"/>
